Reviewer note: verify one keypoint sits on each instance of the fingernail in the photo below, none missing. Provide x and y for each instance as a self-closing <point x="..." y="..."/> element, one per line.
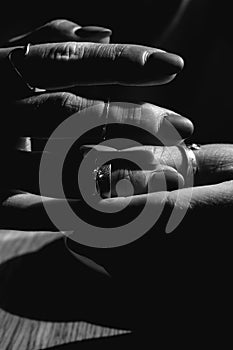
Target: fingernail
<point x="165" y="180"/>
<point x="165" y="63"/>
<point x="176" y="124"/>
<point x="90" y="31"/>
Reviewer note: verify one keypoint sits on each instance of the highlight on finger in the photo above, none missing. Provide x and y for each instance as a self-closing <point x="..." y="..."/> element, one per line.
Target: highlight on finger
<point x="55" y="66"/>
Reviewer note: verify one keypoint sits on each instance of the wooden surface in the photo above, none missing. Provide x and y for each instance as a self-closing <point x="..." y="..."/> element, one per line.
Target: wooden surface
<point x="19" y="331"/>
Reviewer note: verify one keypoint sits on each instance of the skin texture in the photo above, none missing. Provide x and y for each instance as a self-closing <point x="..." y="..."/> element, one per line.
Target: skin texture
<point x="67" y="56"/>
<point x="21" y="209"/>
<point x="181" y="279"/>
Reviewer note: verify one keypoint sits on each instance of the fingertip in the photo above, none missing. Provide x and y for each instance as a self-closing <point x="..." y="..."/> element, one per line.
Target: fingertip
<point x="93" y="31"/>
<point x="165" y="178"/>
<point x="182" y="125"/>
<point x="164" y="63"/>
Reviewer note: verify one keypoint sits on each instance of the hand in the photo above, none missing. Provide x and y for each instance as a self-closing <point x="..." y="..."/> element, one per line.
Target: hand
<point x="62" y="66"/>
<point x="201" y="226"/>
<point x="180" y="273"/>
<point x="207" y="206"/>
<point x="54" y="31"/>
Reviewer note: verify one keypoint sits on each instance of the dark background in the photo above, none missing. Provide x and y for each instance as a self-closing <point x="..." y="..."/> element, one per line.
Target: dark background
<point x="202" y="92"/>
<point x="201" y="34"/>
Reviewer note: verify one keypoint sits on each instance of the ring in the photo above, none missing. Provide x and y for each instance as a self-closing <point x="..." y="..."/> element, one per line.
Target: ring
<point x="22" y="52"/>
<point x="103" y="178"/>
<point x="191" y="161"/>
<point x="104" y="129"/>
<point x="103" y="174"/>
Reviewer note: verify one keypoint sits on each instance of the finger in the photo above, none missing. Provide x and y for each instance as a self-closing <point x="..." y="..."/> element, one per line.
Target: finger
<point x="26" y="211"/>
<point x="94" y="34"/>
<point x="22" y="171"/>
<point x="130" y="172"/>
<point x="41" y="115"/>
<point x="61" y="30"/>
<point x="62" y="65"/>
<point x="210" y="203"/>
<point x="209" y="208"/>
<point x="144" y="169"/>
<point x="147" y="123"/>
<point x="126" y="182"/>
<point x="120" y="176"/>
<point x="215" y="163"/>
<point x="164" y="178"/>
<point x="202" y="213"/>
<point x="140" y="158"/>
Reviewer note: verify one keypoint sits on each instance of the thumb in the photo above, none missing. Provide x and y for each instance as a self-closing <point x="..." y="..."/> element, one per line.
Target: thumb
<point x="61" y="30"/>
<point x="215" y="163"/>
<point x="125" y="181"/>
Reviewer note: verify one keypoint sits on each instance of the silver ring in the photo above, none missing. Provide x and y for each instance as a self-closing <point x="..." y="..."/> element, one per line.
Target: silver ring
<point x="104" y="129"/>
<point x="25" y="50"/>
<point x="103" y="180"/>
<point x="191" y="161"/>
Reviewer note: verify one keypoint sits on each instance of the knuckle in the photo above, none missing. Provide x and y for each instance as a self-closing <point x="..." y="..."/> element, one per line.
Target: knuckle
<point x="152" y="117"/>
<point x="65" y="51"/>
<point x="63" y="24"/>
<point x="72" y="103"/>
<point x="56" y="22"/>
<point x="69" y="102"/>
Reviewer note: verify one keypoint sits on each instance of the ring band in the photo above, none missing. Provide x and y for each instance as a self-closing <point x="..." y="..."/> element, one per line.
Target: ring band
<point x="191" y="161"/>
<point x="104" y="128"/>
<point x="103" y="179"/>
<point x="22" y="52"/>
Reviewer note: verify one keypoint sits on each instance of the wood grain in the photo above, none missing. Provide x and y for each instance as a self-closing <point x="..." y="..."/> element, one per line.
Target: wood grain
<point x="20" y="333"/>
